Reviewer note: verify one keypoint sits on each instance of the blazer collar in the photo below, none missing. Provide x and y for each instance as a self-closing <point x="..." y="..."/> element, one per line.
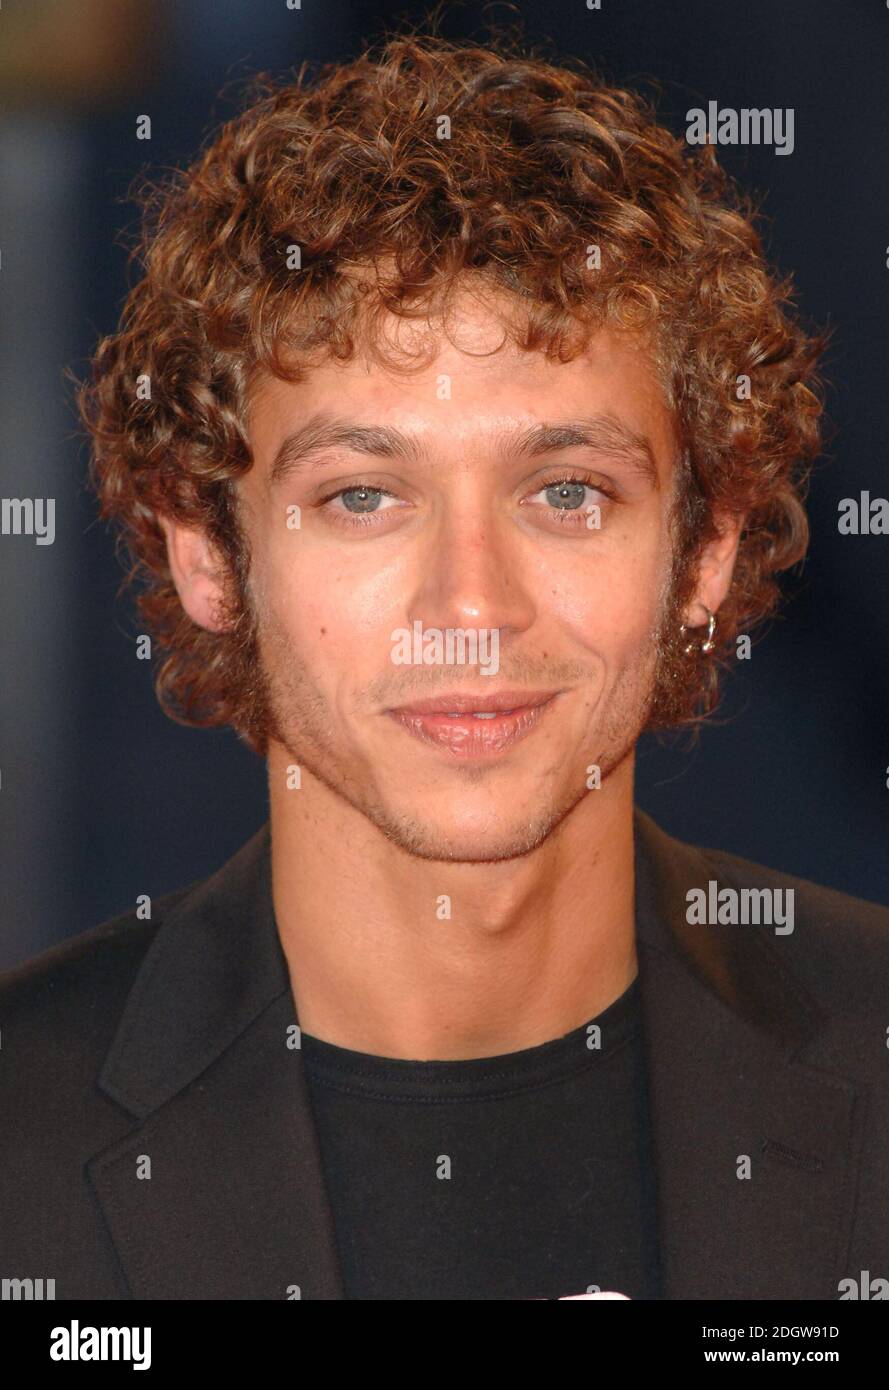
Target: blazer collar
<point x="236" y="1204"/>
<point x="214" y="966"/>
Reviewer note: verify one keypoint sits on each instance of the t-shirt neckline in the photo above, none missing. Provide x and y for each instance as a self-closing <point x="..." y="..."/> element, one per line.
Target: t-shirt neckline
<point x="398" y="1078"/>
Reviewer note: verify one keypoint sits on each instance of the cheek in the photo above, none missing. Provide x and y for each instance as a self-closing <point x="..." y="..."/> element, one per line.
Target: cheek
<point x="611" y="603"/>
<point x="330" y="609"/>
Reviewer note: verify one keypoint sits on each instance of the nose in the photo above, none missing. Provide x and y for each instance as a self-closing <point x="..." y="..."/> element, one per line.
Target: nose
<point x="470" y="571"/>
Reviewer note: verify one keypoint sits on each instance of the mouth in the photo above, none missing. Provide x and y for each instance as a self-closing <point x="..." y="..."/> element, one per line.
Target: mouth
<point x="475" y="726"/>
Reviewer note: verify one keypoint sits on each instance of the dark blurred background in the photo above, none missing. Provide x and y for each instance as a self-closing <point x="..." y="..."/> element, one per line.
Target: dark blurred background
<point x="102" y="798"/>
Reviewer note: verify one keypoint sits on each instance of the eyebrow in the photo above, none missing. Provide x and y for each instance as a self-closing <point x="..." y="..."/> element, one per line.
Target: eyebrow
<point x="605" y="433"/>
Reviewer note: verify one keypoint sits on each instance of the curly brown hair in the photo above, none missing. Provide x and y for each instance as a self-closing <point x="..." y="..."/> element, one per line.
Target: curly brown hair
<point x="543" y="162"/>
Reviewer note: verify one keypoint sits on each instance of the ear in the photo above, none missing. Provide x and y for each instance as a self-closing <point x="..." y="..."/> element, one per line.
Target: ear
<point x="715" y="570"/>
<point x="198" y="573"/>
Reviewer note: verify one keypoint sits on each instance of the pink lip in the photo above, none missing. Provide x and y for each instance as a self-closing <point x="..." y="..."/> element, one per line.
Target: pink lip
<point x="466" y="703"/>
<point x="467" y="737"/>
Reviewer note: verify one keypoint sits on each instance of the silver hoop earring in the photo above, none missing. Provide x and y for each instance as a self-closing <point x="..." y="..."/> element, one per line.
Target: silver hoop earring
<point x="708" y="645"/>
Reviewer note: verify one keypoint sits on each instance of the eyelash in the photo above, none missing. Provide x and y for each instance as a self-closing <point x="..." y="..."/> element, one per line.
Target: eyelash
<point x="365" y="518"/>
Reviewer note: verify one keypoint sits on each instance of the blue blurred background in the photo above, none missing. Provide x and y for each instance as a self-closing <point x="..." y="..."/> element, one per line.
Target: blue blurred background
<point x="102" y="798"/>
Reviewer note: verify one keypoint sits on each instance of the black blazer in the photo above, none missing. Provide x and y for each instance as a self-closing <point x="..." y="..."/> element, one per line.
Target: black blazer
<point x="168" y="1040"/>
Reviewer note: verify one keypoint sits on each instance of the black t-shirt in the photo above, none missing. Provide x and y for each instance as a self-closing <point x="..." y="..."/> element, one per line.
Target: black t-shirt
<point x="527" y="1175"/>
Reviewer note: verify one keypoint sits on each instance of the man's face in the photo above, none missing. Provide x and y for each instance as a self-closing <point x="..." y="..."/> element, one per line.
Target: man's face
<point x="449" y="511"/>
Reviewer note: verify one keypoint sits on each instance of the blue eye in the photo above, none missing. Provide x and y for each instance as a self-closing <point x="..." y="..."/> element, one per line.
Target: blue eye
<point x="566" y="495"/>
<point x="366" y="498"/>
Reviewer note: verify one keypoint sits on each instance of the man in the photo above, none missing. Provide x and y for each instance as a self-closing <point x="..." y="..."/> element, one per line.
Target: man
<point x="458" y="429"/>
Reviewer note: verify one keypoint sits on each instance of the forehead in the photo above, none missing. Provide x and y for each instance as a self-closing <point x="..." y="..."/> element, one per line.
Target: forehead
<point x="471" y="386"/>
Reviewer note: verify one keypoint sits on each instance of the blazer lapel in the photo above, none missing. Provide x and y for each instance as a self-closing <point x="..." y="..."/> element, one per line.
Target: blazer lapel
<point x="725" y="1026"/>
<point x="218" y="1190"/>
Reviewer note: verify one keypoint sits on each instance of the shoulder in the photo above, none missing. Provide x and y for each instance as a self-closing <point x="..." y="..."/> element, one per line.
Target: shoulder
<point x="59" y="1014"/>
<point x="71" y="995"/>
<point x="822" y="905"/>
<point x="839" y="944"/>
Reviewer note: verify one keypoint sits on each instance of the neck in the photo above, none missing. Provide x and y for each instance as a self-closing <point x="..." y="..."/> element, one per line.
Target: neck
<point x="534" y="946"/>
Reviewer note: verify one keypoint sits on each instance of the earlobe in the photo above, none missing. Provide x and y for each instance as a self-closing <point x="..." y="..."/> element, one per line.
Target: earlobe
<point x="197" y="573"/>
<point x="715" y="571"/>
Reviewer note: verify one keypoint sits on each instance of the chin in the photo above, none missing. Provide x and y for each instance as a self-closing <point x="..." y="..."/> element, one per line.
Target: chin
<point x="469" y="851"/>
<point x="481" y="840"/>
